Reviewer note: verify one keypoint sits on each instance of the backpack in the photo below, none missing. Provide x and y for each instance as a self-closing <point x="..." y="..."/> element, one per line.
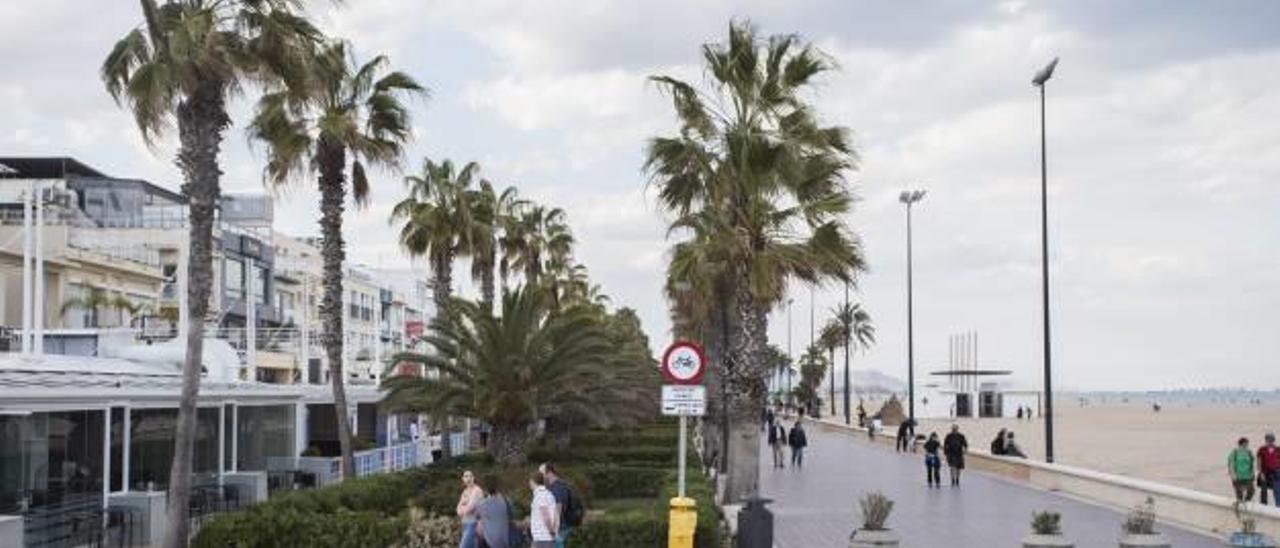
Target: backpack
<point x="573" y="510"/>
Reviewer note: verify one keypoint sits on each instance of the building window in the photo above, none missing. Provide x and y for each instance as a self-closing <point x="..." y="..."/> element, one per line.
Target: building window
<point x="233" y="279"/>
<point x="259" y="285"/>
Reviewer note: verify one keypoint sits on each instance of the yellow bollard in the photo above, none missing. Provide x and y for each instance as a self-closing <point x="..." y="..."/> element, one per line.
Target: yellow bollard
<point x="684" y="520"/>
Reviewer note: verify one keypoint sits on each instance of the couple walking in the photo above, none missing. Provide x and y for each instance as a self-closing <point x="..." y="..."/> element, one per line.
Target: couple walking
<point x="953" y="447"/>
<point x="1241" y="470"/>
<point x="796" y="439"/>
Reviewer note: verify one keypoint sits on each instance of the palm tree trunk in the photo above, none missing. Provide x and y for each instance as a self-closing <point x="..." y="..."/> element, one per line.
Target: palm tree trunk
<point x="714" y="380"/>
<point x="507" y="444"/>
<point x="831" y="352"/>
<point x="746" y="392"/>
<point x="332" y="193"/>
<point x="487" y="288"/>
<point x="201" y="120"/>
<point x="441" y="289"/>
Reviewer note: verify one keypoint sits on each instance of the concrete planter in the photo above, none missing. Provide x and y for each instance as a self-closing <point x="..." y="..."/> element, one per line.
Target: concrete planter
<point x="1046" y="541"/>
<point x="864" y="538"/>
<point x="1254" y="540"/>
<point x="1155" y="540"/>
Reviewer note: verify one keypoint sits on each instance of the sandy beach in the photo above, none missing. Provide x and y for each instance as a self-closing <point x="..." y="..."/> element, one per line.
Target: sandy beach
<point x="1181" y="445"/>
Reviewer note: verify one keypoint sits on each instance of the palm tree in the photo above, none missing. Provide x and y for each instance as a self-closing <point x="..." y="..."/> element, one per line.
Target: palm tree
<point x="751" y="158"/>
<point x="349" y="116"/>
<point x="831" y="338"/>
<point x="540" y="236"/>
<point x="856" y="330"/>
<point x="183" y="64"/>
<point x="438" y="223"/>
<point x="493" y="213"/>
<point x="509" y="370"/>
<point x="812" y="367"/>
<point x="98" y="299"/>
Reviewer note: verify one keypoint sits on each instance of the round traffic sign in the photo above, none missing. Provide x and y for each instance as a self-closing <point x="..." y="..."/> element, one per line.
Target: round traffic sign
<point x="683" y="363"/>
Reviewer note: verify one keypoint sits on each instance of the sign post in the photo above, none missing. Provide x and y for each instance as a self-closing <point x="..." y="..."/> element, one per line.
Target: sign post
<point x="683" y="365"/>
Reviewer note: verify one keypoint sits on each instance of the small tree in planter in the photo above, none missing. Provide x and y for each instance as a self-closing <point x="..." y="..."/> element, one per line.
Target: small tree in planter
<point x="1046" y="532"/>
<point x="1248" y="534"/>
<point x="875" y="508"/>
<point x="1139" y="528"/>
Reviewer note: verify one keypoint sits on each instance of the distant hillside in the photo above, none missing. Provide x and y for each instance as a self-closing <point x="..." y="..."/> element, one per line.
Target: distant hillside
<point x="871" y="381"/>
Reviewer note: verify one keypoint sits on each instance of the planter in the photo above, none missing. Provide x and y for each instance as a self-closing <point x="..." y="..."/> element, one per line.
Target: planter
<point x="1155" y="540"/>
<point x="865" y="538"/>
<point x="1250" y="540"/>
<point x="1046" y="541"/>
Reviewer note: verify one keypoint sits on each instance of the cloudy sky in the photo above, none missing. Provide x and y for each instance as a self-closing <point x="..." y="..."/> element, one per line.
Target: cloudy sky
<point x="1163" y="142"/>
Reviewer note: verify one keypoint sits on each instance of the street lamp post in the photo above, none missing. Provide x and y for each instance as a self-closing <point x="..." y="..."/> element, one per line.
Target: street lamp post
<point x="1039" y="81"/>
<point x="786" y="397"/>
<point x="847" y="336"/>
<point x="908" y="198"/>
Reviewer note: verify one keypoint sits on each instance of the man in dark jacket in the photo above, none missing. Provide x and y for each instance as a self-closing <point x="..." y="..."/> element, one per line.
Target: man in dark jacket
<point x="798" y="441"/>
<point x="777" y="438"/>
<point x="906" y="431"/>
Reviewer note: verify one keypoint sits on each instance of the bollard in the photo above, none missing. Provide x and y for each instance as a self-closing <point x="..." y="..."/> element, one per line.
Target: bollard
<point x="684" y="521"/>
<point x="755" y="524"/>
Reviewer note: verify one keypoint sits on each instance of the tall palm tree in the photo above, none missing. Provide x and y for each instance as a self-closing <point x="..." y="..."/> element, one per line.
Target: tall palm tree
<point x="856" y="331"/>
<point x="349" y="116"/>
<point x="182" y="65"/>
<point x="540" y="236"/>
<point x="510" y="370"/>
<point x="751" y="155"/>
<point x="831" y="338"/>
<point x="493" y="214"/>
<point x="438" y="223"/>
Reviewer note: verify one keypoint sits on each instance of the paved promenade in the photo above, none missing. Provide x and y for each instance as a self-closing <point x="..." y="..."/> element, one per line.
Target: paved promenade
<point x="816" y="506"/>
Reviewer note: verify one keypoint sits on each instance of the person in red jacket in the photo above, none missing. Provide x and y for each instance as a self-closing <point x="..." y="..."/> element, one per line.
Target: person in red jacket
<point x="1269" y="468"/>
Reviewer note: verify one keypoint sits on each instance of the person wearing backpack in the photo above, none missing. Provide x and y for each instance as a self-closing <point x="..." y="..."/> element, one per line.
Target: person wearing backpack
<point x="493" y="516"/>
<point x="568" y="508"/>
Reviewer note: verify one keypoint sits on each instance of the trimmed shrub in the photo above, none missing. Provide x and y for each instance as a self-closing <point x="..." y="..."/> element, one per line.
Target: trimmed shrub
<point x="269" y="527"/>
<point x="625" y="481"/>
<point x="632" y="529"/>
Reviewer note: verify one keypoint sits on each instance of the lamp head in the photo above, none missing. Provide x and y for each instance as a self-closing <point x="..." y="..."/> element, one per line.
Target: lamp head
<point x="1045" y="73"/>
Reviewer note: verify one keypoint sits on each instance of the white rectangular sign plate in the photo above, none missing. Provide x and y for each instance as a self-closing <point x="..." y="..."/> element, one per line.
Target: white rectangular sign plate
<point x="690" y="400"/>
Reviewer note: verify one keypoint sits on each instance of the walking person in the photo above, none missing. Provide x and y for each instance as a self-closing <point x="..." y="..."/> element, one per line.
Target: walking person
<point x="493" y="515"/>
<point x="906" y="431"/>
<point x="798" y="441"/>
<point x="1240" y="470"/>
<point x="933" y="461"/>
<point x="777" y="438"/>
<point x="1268" y="469"/>
<point x="466" y="509"/>
<point x="954" y="446"/>
<point x="1011" y="448"/>
<point x="568" y="507"/>
<point x="542" y="513"/>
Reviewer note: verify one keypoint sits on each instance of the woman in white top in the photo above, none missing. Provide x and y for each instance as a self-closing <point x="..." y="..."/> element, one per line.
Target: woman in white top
<point x="471" y="496"/>
<point x="542" y="513"/>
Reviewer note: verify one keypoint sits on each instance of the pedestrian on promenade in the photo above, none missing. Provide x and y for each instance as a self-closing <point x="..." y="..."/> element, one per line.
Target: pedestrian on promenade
<point x="542" y="513"/>
<point x="768" y="419"/>
<point x="933" y="461"/>
<point x="493" y="515"/>
<point x="1269" y="469"/>
<point x="906" y="431"/>
<point x="1019" y="412"/>
<point x="466" y="509"/>
<point x="875" y="426"/>
<point x="997" y="445"/>
<point x="954" y="446"/>
<point x="862" y="414"/>
<point x="798" y="441"/>
<point x="1011" y="448"/>
<point x="777" y="437"/>
<point x="1240" y="470"/>
<point x="568" y="507"/>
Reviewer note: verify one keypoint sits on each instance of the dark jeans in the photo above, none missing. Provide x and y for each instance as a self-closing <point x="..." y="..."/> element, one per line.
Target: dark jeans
<point x="933" y="470"/>
<point x="797" y="456"/>
<point x="904" y="441"/>
<point x="1270" y="479"/>
<point x="1244" y="489"/>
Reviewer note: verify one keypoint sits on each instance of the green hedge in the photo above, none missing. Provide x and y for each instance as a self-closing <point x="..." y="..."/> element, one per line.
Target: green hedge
<point x="289" y="527"/>
<point x="618" y="482"/>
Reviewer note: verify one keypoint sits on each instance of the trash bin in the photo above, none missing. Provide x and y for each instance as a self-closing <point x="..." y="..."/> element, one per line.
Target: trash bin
<point x="755" y="524"/>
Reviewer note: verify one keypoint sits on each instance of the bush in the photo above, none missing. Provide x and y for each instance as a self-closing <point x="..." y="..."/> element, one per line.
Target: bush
<point x="625" y="481"/>
<point x="268" y="527"/>
<point x="430" y="531"/>
<point x="631" y="529"/>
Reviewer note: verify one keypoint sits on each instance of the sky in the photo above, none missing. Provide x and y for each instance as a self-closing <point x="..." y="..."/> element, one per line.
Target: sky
<point x="1164" y="207"/>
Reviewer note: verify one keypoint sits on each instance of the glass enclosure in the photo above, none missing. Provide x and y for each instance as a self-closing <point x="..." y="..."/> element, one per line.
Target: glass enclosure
<point x="264" y="431"/>
<point x="151" y="451"/>
<point x="50" y="460"/>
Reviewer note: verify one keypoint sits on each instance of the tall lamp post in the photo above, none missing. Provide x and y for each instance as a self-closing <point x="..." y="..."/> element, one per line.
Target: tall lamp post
<point x="908" y="198"/>
<point x="786" y="396"/>
<point x="1039" y="81"/>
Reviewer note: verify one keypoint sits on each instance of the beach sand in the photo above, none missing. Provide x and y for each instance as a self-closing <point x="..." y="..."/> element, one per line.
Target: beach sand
<point x="1182" y="446"/>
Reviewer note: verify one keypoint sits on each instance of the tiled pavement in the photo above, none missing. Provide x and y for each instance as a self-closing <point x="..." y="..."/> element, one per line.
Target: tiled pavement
<point x="815" y="507"/>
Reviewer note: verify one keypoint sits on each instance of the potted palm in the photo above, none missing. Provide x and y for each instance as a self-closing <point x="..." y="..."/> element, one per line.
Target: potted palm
<point x="1046" y="532"/>
<point x="1139" y="528"/>
<point x="1248" y="534"/>
<point x="875" y="508"/>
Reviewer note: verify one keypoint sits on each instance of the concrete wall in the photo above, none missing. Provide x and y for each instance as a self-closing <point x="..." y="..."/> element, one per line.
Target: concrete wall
<point x="1189" y="509"/>
<point x="11" y="531"/>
